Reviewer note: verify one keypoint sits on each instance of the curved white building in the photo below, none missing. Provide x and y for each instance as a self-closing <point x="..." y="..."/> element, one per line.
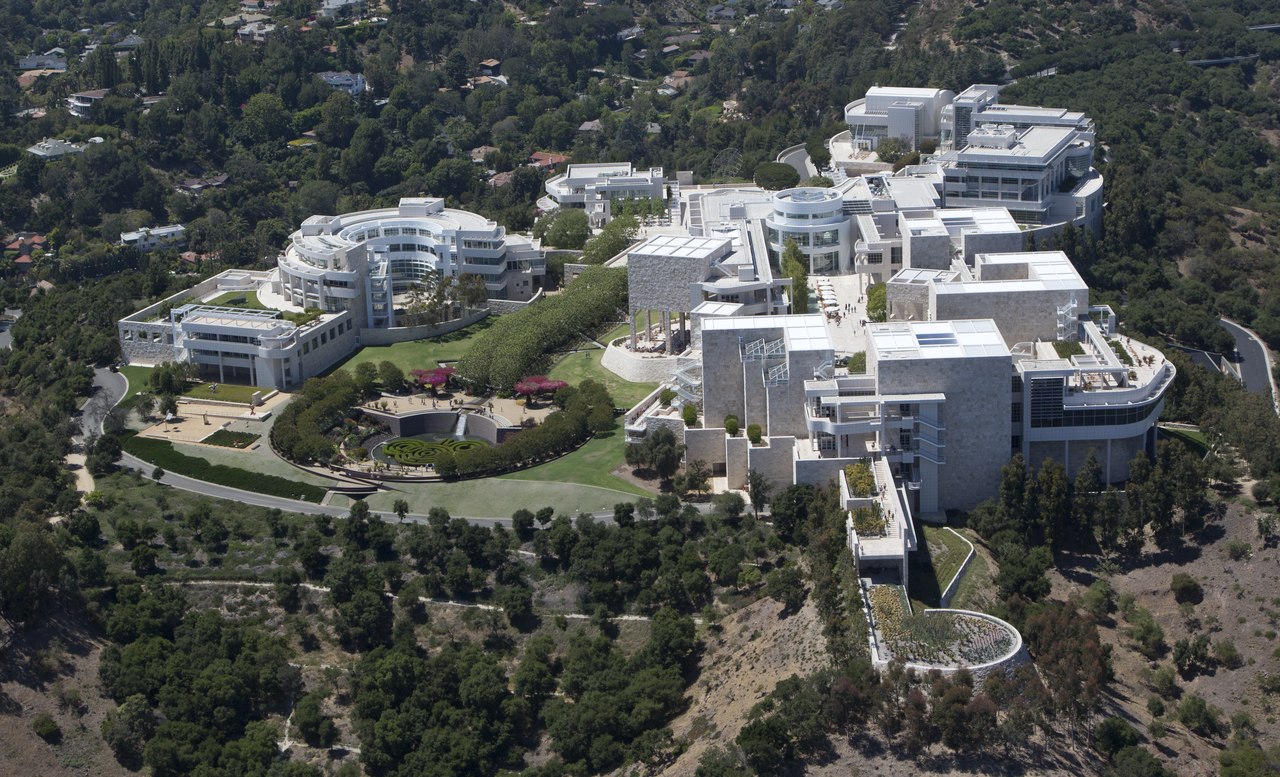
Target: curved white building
<point x="815" y="220"/>
<point x="359" y="261"/>
<point x="333" y="289"/>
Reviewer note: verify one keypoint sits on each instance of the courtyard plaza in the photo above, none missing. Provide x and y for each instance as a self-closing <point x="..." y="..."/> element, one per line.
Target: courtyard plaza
<point x="196" y="420"/>
<point x="506" y="411"/>
<point x="842" y="300"/>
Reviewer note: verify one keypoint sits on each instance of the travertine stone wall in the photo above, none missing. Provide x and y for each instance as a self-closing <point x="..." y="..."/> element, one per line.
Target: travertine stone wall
<point x="976" y="415"/>
<point x="662" y="282"/>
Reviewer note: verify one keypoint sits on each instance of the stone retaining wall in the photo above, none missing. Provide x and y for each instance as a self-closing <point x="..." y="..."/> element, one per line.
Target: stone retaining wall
<point x="402" y="334"/>
<point x="501" y="307"/>
<point x="959" y="575"/>
<point x="629" y="366"/>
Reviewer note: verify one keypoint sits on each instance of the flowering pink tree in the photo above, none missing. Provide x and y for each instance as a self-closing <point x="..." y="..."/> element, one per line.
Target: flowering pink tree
<point x="435" y="378"/>
<point x="538" y="385"/>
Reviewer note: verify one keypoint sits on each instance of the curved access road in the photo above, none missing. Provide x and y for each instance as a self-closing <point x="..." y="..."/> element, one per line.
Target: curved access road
<point x="1253" y="360"/>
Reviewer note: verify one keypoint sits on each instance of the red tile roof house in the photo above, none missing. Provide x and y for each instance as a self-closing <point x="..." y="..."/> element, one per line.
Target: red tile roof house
<point x="23" y="245"/>
<point x="548" y="160"/>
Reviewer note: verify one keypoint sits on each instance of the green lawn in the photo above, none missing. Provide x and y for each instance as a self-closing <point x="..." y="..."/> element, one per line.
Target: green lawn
<point x="496" y="497"/>
<point x="976" y="591"/>
<point x="421" y="354"/>
<point x="938" y="555"/>
<point x="226" y="392"/>
<point x="238" y="299"/>
<point x="590" y="465"/>
<point x="137" y="377"/>
<point x="577" y="367"/>
<point x="1193" y="439"/>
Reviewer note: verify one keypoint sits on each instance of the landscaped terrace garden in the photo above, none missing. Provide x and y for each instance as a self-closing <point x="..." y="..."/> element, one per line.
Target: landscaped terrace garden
<point x="860" y="479"/>
<point x="936" y="637"/>
<point x="414" y="452"/>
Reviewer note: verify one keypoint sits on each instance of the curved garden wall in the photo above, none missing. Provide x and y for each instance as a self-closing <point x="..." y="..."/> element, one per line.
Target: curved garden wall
<point x="443" y="422"/>
<point x="401" y="334"/>
<point x="650" y="368"/>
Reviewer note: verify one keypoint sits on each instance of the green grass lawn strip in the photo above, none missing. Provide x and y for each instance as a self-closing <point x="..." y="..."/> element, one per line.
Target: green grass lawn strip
<point x="590" y="465"/>
<point x="162" y="454"/>
<point x="226" y="392"/>
<point x="930" y="574"/>
<point x="576" y="367"/>
<point x="420" y="354"/>
<point x="137" y="377"/>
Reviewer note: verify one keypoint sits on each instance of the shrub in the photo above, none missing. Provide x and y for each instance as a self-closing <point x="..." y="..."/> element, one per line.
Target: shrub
<point x="1155" y="706"/>
<point x="1199" y="716"/>
<point x="1113" y="735"/>
<point x="1192" y="655"/>
<point x="1099" y="599"/>
<point x="1164" y="681"/>
<point x="1186" y="588"/>
<point x="665" y="396"/>
<point x="690" y="415"/>
<point x="754" y="433"/>
<point x="46" y="728"/>
<point x="861" y="481"/>
<point x="1144" y="630"/>
<point x="1226" y="653"/>
<point x="732" y="425"/>
<point x="1239" y="550"/>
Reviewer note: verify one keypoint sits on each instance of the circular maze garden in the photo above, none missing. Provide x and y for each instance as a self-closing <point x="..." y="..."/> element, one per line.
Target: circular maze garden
<point x="414" y="452"/>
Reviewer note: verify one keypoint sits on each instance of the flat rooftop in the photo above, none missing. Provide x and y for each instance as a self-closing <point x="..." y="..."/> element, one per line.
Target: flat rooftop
<point x="602" y="169"/>
<point x="937" y="339"/>
<point x="903" y="91"/>
<point x="807" y="332"/>
<point x="1036" y="142"/>
<point x="684" y="247"/>
<point x="963" y="221"/>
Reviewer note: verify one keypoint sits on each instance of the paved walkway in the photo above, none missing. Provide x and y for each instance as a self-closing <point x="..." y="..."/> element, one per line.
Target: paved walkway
<point x="849" y="336"/>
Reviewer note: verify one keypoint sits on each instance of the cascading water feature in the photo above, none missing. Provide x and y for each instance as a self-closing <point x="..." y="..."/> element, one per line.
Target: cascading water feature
<point x="460" y="430"/>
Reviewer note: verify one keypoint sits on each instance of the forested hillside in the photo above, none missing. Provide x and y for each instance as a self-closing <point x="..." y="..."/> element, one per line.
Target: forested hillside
<point x="147" y="629"/>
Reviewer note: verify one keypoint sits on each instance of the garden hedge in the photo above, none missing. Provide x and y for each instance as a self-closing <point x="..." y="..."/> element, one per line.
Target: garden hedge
<point x="164" y="455"/>
<point x="521" y="343"/>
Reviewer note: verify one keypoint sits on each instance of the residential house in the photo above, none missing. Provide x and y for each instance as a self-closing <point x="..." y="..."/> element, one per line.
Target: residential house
<point x="351" y="83"/>
<point x="256" y="32"/>
<point x="130" y="42"/>
<point x="479" y="153"/>
<point x="52" y="148"/>
<point x="81" y="104"/>
<point x="547" y="160"/>
<point x="332" y="9"/>
<point x="154" y="238"/>
<point x="197" y="185"/>
<point x="239" y="20"/>
<point x="54" y="59"/>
